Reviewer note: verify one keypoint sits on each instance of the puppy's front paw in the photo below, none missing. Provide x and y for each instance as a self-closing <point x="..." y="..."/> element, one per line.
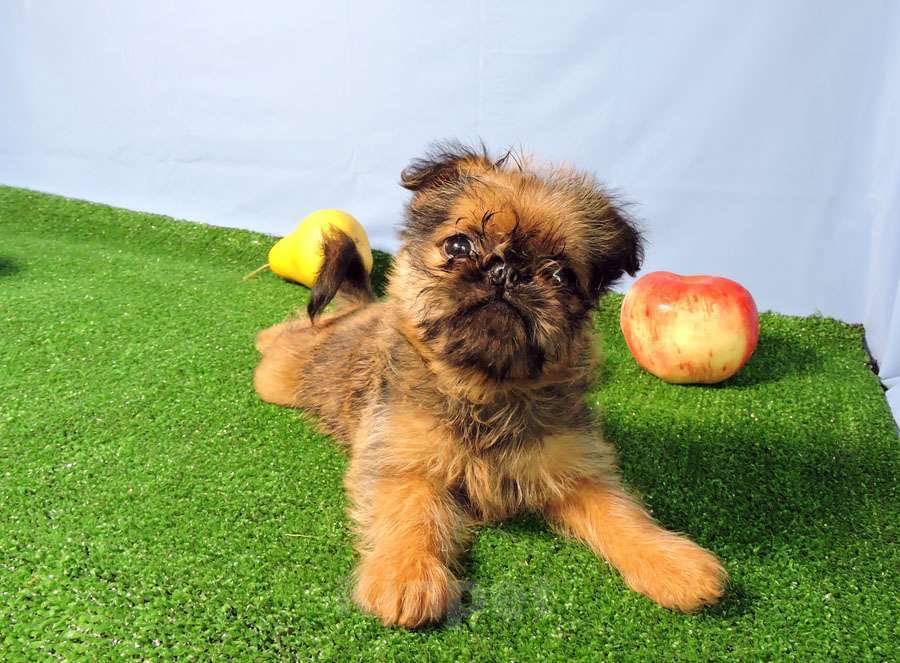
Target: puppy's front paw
<point x="678" y="574"/>
<point x="406" y="590"/>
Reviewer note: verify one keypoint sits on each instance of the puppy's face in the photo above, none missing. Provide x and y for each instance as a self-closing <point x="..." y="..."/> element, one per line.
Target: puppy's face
<point x="502" y="263"/>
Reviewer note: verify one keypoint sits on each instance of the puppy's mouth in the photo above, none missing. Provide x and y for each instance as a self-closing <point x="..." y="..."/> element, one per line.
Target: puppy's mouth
<point x="497" y="302"/>
<point x="492" y="333"/>
<point x="500" y="300"/>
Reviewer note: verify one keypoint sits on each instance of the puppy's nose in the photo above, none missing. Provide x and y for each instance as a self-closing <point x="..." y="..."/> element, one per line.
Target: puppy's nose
<point x="502" y="275"/>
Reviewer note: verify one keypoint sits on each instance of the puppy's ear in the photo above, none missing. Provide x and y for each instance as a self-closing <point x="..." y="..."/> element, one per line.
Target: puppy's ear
<point x="620" y="248"/>
<point x="445" y="163"/>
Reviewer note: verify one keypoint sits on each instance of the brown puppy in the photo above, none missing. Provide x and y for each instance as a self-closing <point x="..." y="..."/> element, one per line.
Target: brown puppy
<point x="461" y="395"/>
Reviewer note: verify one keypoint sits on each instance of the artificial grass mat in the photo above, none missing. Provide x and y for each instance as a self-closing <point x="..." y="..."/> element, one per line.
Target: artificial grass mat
<point x="152" y="506"/>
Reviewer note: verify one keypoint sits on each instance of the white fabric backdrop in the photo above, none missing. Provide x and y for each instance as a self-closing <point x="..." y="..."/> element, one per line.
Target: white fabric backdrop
<point x="761" y="140"/>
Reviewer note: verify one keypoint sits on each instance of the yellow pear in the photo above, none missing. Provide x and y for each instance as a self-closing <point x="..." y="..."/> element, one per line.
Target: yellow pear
<point x="298" y="256"/>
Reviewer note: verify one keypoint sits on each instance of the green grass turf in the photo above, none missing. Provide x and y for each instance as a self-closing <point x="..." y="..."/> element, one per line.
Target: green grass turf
<point x="151" y="506"/>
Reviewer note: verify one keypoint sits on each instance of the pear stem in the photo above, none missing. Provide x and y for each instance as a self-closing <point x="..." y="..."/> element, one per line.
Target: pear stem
<point x="255" y="272"/>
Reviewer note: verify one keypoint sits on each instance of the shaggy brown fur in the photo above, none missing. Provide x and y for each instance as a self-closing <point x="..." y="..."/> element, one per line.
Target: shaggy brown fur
<point x="461" y="395"/>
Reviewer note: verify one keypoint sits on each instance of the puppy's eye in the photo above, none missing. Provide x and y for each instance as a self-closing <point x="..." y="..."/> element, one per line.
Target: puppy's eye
<point x="458" y="246"/>
<point x="561" y="276"/>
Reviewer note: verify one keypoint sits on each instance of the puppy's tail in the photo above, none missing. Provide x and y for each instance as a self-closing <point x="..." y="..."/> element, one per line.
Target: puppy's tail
<point x="342" y="274"/>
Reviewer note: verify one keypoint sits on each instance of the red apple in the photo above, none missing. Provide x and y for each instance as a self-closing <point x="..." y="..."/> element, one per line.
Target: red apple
<point x="689" y="328"/>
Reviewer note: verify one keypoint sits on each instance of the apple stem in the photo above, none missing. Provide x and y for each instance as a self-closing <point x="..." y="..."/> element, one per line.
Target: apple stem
<point x="255" y="272"/>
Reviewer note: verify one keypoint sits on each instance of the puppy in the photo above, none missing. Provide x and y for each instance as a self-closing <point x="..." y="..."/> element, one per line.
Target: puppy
<point x="460" y="396"/>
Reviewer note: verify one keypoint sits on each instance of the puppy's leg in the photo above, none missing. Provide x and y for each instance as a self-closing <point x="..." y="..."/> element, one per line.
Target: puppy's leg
<point x="266" y="336"/>
<point x="668" y="568"/>
<point x="279" y="376"/>
<point x="411" y="532"/>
